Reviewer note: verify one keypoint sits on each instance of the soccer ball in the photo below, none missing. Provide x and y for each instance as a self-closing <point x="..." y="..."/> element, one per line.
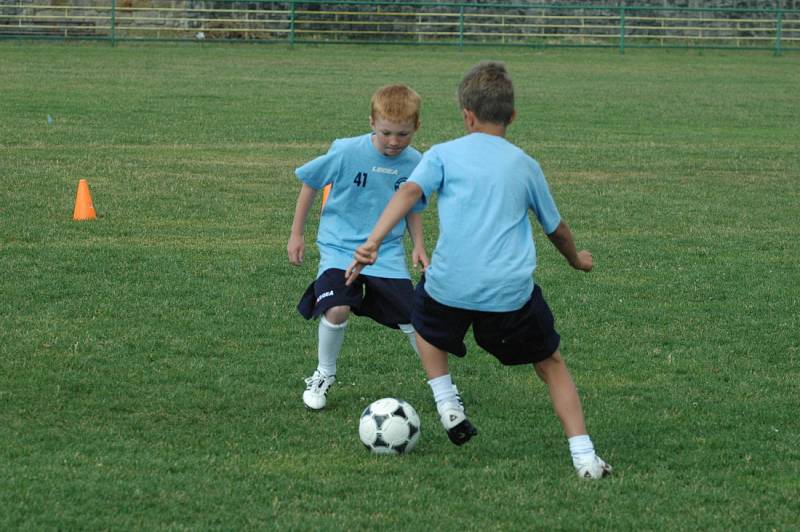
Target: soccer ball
<point x="389" y="426"/>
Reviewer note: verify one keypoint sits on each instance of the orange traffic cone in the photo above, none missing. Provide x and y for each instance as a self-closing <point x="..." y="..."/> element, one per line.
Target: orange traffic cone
<point x="325" y="192"/>
<point x="84" y="210"/>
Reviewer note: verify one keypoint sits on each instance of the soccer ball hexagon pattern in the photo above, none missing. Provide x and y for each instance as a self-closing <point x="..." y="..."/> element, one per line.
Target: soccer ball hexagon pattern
<point x="389" y="426"/>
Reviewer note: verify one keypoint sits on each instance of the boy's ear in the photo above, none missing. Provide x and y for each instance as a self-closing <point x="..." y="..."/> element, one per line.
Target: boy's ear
<point x="512" y="117"/>
<point x="469" y="117"/>
<point x="371" y="122"/>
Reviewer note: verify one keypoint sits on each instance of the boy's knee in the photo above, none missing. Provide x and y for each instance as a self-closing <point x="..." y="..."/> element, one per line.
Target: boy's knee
<point x="547" y="367"/>
<point x="337" y="315"/>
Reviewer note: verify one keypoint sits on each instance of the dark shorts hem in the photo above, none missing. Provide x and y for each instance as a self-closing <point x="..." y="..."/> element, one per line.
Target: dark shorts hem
<point x="523" y="336"/>
<point x="386" y="301"/>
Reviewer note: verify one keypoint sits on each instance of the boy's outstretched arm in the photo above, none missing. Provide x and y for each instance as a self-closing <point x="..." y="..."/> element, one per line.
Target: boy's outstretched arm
<point x="297" y="246"/>
<point x="563" y="241"/>
<point x="418" y="254"/>
<point x="398" y="207"/>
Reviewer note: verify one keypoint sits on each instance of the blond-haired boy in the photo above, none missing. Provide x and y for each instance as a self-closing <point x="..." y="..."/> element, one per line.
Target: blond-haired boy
<point x="364" y="172"/>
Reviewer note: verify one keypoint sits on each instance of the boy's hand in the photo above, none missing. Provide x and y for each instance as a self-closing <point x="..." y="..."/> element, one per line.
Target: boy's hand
<point x="352" y="271"/>
<point x="419" y="257"/>
<point x="584" y="261"/>
<point x="296" y="249"/>
<point x="366" y="254"/>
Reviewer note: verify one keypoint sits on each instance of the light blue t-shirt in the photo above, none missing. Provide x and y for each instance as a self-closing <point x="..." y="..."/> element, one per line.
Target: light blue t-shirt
<point x="364" y="181"/>
<point x="485" y="256"/>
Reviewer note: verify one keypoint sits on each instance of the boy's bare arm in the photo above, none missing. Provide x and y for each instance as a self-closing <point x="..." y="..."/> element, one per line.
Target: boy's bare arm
<point x="418" y="254"/>
<point x="398" y="207"/>
<point x="297" y="246"/>
<point x="563" y="241"/>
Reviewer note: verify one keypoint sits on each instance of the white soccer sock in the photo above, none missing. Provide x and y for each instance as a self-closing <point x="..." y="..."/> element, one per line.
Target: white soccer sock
<point x="330" y="343"/>
<point x="582" y="449"/>
<point x="411" y="334"/>
<point x="442" y="388"/>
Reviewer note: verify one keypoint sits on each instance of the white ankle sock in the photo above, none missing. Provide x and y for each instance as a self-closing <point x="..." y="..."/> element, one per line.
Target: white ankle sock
<point x="411" y="334"/>
<point x="582" y="449"/>
<point x="442" y="388"/>
<point x="330" y="343"/>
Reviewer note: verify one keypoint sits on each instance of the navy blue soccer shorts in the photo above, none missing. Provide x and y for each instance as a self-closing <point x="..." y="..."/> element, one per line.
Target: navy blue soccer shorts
<point x="387" y="301"/>
<point x="523" y="336"/>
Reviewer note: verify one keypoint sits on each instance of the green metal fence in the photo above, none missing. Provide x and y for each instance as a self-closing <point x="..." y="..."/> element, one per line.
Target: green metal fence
<point x="458" y="24"/>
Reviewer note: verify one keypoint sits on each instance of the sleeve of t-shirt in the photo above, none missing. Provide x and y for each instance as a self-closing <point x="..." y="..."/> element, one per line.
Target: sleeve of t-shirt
<point x="320" y="171"/>
<point x="542" y="203"/>
<point x="428" y="175"/>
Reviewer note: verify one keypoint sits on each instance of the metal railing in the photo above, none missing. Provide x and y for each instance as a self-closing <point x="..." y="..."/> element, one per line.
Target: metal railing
<point x="533" y="25"/>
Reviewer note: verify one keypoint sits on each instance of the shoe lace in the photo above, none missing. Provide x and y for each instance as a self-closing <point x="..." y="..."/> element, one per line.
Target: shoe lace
<point x="315" y="381"/>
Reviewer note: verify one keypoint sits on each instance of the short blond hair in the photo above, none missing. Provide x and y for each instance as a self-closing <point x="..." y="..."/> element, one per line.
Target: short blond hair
<point x="397" y="103"/>
<point x="487" y="91"/>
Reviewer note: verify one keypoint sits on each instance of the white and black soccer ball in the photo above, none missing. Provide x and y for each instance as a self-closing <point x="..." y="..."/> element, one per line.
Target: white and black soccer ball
<point x="389" y="426"/>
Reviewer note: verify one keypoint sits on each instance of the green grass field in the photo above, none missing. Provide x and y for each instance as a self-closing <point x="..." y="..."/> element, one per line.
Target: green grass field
<point x="151" y="361"/>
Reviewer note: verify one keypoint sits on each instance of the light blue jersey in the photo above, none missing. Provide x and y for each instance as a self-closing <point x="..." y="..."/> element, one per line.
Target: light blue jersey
<point x="364" y="181"/>
<point x="485" y="256"/>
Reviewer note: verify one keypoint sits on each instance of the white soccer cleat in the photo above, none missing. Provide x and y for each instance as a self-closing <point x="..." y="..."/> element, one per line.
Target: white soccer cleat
<point x="317" y="387"/>
<point x="455" y="422"/>
<point x="458" y="396"/>
<point x="594" y="469"/>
